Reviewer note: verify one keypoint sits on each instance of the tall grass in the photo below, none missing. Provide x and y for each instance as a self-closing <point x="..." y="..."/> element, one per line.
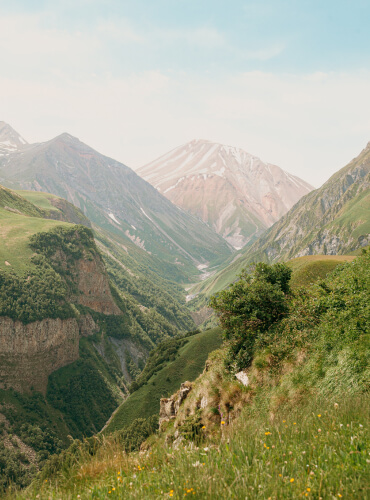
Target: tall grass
<point x="319" y="451"/>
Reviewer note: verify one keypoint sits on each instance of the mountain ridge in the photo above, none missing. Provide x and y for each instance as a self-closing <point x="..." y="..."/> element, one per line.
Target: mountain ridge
<point x="333" y="219"/>
<point x="114" y="197"/>
<point x="235" y="192"/>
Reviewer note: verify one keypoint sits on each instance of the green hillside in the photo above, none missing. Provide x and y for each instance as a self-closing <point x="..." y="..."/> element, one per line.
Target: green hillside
<point x="332" y="220"/>
<point x="311" y="268"/>
<point x="188" y="364"/>
<point x="19" y="219"/>
<point x="299" y="429"/>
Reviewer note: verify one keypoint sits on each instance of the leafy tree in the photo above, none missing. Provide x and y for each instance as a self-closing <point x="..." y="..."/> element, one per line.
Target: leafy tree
<point x="250" y="306"/>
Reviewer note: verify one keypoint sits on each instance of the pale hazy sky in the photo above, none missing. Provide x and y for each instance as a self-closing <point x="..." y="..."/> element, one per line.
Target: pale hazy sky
<point x="287" y="80"/>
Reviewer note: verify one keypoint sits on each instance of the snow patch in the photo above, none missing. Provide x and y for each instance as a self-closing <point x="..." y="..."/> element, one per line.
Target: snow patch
<point x="146" y="215"/>
<point x="113" y="218"/>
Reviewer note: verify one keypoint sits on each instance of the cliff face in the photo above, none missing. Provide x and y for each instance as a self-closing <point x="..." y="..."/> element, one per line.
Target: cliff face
<point x="29" y="353"/>
<point x="93" y="286"/>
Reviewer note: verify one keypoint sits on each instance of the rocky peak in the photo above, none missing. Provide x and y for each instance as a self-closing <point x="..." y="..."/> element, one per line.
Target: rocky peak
<point x="233" y="191"/>
<point x="10" y="140"/>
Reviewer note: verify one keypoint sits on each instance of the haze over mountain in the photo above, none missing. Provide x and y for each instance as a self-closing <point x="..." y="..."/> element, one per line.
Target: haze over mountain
<point x="111" y="195"/>
<point x="236" y="193"/>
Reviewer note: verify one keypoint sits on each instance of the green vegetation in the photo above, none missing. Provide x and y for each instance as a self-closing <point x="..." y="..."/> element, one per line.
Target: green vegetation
<point x="85" y="392"/>
<point x="149" y="295"/>
<point x="314" y="451"/>
<point x="299" y="429"/>
<point x="15" y="231"/>
<point x="170" y="364"/>
<point x="39" y="199"/>
<point x="42" y="292"/>
<point x="15" y="203"/>
<point x="311" y="268"/>
<point x="39" y="294"/>
<point x="249" y="307"/>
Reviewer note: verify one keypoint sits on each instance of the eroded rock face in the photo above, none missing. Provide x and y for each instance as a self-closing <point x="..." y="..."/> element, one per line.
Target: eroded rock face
<point x="29" y="353"/>
<point x="93" y="285"/>
<point x="169" y="407"/>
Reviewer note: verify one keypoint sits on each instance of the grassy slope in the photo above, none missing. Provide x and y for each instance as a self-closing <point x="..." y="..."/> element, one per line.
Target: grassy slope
<point x="39" y="199"/>
<point x="15" y="231"/>
<point x="311" y="268"/>
<point x="340" y="208"/>
<point x="303" y="431"/>
<point x="187" y="366"/>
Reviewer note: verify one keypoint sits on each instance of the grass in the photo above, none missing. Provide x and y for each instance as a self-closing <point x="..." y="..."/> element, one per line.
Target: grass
<point x="41" y="200"/>
<point x="317" y="451"/>
<point x="311" y="268"/>
<point x="15" y="231"/>
<point x="187" y="366"/>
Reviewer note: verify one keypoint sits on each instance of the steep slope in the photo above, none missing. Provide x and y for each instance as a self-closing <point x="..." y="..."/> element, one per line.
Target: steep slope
<point x="167" y="367"/>
<point x="334" y="219"/>
<point x="140" y="276"/>
<point x="236" y="193"/>
<point x="115" y="198"/>
<point x="293" y="425"/>
<point x="70" y="341"/>
<point x="10" y="140"/>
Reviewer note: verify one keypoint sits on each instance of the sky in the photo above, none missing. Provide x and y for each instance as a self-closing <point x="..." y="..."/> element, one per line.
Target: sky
<point x="286" y="80"/>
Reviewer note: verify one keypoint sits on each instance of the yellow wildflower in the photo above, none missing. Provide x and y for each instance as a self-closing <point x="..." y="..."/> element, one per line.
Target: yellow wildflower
<point x="292" y="480"/>
<point x="267" y="433"/>
<point x="319" y="415"/>
<point x="222" y="423"/>
<point x="308" y="489"/>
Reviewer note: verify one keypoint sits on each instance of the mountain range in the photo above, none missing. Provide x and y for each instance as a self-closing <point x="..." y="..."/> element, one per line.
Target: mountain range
<point x="234" y="192"/>
<point x="111" y="195"/>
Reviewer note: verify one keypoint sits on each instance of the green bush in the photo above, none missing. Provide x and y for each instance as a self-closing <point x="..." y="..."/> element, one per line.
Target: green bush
<point x="249" y="307"/>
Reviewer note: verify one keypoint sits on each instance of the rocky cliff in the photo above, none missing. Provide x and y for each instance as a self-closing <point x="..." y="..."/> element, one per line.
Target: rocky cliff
<point x="29" y="353"/>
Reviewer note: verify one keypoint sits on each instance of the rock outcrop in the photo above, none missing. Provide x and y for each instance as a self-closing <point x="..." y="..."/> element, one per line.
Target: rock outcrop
<point x="29" y="353"/>
<point x="93" y="286"/>
<point x="169" y="407"/>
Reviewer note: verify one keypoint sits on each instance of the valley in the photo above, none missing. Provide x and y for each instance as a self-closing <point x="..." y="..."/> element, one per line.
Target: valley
<point x="130" y="323"/>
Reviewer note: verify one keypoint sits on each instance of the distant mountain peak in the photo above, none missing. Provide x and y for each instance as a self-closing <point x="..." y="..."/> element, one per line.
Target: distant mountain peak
<point x="233" y="191"/>
<point x="10" y="140"/>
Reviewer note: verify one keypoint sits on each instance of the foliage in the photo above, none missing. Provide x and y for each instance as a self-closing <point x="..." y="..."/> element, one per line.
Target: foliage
<point x="135" y="434"/>
<point x="162" y="376"/>
<point x="150" y="295"/>
<point x="315" y="449"/>
<point x="73" y="241"/>
<point x="81" y="392"/>
<point x="39" y="294"/>
<point x="249" y="307"/>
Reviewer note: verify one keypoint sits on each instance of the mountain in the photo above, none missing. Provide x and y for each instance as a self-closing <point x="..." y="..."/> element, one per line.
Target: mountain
<point x="334" y="219"/>
<point x="236" y="193"/>
<point x="10" y="140"/>
<point x="112" y="196"/>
